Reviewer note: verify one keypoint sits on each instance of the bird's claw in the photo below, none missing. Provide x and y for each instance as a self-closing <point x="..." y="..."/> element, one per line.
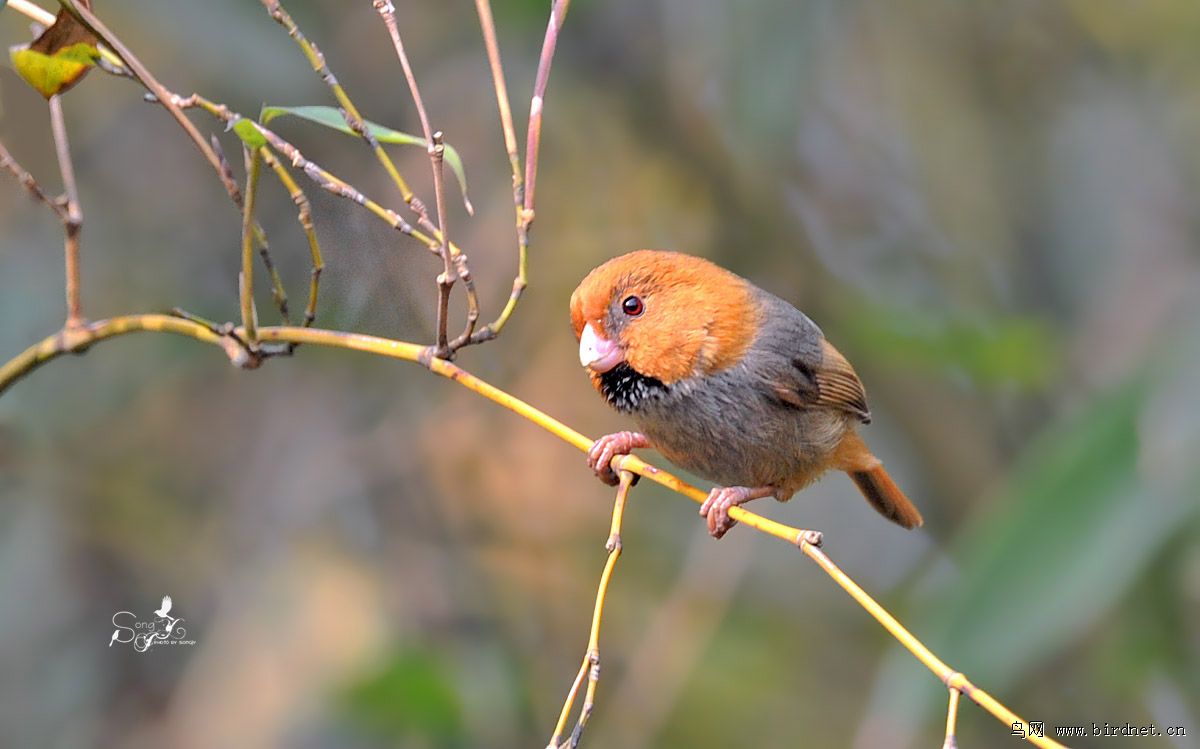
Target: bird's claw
<point x="603" y="450"/>
<point x="716" y="507"/>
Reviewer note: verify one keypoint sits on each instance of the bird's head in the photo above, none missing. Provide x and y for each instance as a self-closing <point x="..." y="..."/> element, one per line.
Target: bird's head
<point x="662" y="317"/>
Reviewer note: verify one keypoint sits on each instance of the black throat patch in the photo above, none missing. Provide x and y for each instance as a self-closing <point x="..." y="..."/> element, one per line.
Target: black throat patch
<point x="626" y="389"/>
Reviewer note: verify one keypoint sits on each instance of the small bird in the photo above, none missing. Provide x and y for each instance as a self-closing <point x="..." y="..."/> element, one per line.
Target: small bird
<point x="165" y="608"/>
<point x="725" y="380"/>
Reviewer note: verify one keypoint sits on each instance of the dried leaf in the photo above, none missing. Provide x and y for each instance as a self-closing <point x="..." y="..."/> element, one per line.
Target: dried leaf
<point x="59" y="58"/>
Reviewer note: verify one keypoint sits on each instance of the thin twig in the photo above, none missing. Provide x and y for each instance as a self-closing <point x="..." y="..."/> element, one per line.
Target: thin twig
<point x="565" y="714"/>
<point x="591" y="659"/>
<point x="387" y="12"/>
<point x="331" y="183"/>
<point x="9" y="164"/>
<point x="32" y="12"/>
<point x="487" y="25"/>
<point x="466" y="337"/>
<point x="674" y="639"/>
<point x="951" y="741"/>
<point x="454" y="263"/>
<point x="304" y="217"/>
<point x="445" y="279"/>
<point x="161" y="94"/>
<point x="73" y="218"/>
<point x="523" y="193"/>
<point x="533" y="138"/>
<point x="278" y="293"/>
<point x="591" y="655"/>
<point x="246" y="276"/>
<point x="350" y="112"/>
<point x="324" y="179"/>
<point x="436" y="150"/>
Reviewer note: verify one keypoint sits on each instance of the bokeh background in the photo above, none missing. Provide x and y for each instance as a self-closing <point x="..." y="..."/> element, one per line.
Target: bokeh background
<point x="990" y="207"/>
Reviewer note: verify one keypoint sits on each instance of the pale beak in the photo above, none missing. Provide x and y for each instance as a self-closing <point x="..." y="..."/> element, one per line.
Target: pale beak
<point x="597" y="353"/>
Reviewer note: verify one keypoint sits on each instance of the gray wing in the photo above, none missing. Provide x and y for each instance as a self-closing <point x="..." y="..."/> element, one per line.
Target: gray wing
<point x="801" y="368"/>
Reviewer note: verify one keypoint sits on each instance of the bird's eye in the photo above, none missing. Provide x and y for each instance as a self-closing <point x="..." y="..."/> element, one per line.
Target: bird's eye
<point x="633" y="306"/>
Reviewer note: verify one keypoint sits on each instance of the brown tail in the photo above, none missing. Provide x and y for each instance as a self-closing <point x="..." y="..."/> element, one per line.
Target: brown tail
<point x="855" y="458"/>
<point x="883" y="494"/>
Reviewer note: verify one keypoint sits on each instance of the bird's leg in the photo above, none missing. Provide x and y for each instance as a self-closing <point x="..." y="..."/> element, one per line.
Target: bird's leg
<point x="721" y="499"/>
<point x="610" y="446"/>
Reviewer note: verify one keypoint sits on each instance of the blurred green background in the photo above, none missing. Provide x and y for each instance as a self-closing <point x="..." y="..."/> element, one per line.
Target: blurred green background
<point x="990" y="207"/>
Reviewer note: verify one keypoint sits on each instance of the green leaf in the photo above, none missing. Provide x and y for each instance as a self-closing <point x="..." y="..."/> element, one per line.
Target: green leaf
<point x="331" y="117"/>
<point x="55" y="73"/>
<point x="249" y="134"/>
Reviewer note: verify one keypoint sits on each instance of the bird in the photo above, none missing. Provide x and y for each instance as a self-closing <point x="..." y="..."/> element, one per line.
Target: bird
<point x="165" y="608"/>
<point x="726" y="381"/>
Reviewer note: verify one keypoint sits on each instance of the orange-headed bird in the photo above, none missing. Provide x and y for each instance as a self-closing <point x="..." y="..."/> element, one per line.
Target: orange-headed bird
<point x="725" y="380"/>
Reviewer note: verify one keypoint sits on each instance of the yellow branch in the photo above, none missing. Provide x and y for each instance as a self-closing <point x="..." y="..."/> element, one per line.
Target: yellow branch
<point x="78" y="339"/>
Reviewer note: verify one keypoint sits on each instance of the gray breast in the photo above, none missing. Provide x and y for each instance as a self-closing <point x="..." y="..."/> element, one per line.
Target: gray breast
<point x="730" y="429"/>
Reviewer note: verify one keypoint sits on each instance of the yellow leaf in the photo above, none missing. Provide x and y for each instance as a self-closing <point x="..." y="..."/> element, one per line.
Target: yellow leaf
<point x="59" y="58"/>
<point x="53" y="74"/>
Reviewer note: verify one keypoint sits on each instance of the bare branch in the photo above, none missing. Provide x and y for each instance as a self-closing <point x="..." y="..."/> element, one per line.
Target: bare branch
<point x="436" y="149"/>
<point x="488" y="27"/>
<point x="73" y="214"/>
<point x="304" y="217"/>
<point x="951" y="741"/>
<point x="9" y="164"/>
<point x="32" y="12"/>
<point x="246" y="277"/>
<point x="533" y="139"/>
<point x="523" y="192"/>
<point x="161" y="94"/>
<point x="591" y="657"/>
<point x="350" y="112"/>
<point x="449" y="274"/>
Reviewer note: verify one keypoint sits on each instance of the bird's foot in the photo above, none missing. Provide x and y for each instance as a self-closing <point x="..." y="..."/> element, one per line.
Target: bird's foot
<point x="715" y="509"/>
<point x="610" y="446"/>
